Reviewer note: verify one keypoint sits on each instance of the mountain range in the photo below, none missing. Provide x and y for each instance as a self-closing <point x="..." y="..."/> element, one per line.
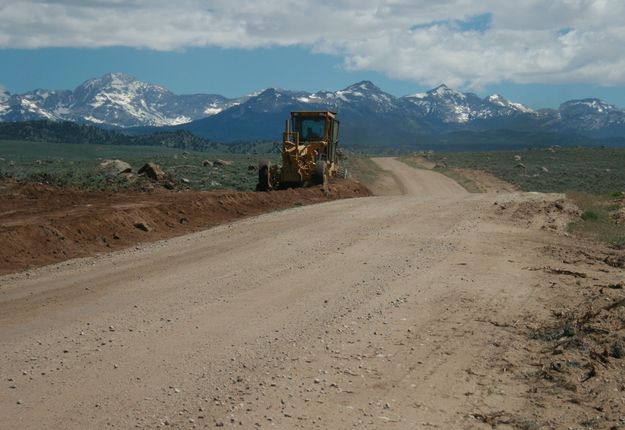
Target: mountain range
<point x="114" y="100"/>
<point x="368" y="115"/>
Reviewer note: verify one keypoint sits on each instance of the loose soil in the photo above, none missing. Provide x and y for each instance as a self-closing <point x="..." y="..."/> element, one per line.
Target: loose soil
<point x="40" y="224"/>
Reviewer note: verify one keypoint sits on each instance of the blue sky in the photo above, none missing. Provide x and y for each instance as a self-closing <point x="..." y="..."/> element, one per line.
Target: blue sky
<point x="230" y="72"/>
<point x="537" y="53"/>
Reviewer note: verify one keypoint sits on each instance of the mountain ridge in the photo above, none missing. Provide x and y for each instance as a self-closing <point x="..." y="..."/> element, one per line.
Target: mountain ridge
<point x="115" y="100"/>
<point x="118" y="100"/>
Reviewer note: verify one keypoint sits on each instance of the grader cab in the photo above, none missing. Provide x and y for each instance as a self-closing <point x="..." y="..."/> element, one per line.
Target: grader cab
<point x="309" y="152"/>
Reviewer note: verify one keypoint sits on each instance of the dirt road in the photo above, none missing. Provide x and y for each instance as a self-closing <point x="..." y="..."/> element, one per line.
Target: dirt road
<point x="405" y="180"/>
<point x="382" y="312"/>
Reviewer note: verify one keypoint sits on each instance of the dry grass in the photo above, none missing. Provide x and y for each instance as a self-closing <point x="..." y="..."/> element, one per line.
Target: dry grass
<point x="363" y="169"/>
<point x="597" y="220"/>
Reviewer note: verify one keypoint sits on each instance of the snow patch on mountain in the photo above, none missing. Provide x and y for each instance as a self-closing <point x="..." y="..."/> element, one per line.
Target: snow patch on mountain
<point x="360" y="96"/>
<point x="215" y="108"/>
<point x="29" y="107"/>
<point x="588" y="105"/>
<point x="94" y="120"/>
<point x="501" y="101"/>
<point x="115" y="99"/>
<point x="453" y="107"/>
<point x="591" y="114"/>
<point x="4" y="100"/>
<point x="443" y="91"/>
<point x="180" y="120"/>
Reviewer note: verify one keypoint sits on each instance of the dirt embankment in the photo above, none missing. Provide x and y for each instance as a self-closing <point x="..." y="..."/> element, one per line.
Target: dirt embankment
<point x="40" y="224"/>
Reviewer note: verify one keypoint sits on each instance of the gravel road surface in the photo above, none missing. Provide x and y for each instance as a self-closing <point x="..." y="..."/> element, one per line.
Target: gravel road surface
<point x="376" y="312"/>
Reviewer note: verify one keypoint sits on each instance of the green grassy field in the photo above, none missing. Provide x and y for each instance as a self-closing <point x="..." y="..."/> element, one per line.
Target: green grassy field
<point x="591" y="170"/>
<point x="26" y="150"/>
<point x="74" y="165"/>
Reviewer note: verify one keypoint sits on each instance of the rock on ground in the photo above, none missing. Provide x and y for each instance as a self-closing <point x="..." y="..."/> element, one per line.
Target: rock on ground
<point x="112" y="168"/>
<point x="152" y="171"/>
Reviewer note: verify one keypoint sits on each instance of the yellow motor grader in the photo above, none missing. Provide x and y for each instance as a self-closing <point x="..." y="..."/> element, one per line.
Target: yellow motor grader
<point x="309" y="153"/>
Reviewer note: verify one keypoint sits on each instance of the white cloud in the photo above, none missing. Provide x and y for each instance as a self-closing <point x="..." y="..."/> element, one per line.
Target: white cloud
<point x="527" y="42"/>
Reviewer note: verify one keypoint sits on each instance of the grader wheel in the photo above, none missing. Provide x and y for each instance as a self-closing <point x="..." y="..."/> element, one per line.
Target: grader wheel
<point x="264" y="176"/>
<point x="319" y="177"/>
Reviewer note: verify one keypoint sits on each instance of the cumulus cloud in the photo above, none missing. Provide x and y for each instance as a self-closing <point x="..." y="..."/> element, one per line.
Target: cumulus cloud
<point x="464" y="43"/>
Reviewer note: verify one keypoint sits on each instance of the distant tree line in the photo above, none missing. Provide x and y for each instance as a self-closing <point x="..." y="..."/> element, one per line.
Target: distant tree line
<point x="70" y="132"/>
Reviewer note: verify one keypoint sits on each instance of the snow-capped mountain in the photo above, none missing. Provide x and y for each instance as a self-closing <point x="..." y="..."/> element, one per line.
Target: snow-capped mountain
<point x="115" y="99"/>
<point x="121" y="100"/>
<point x="503" y="102"/>
<point x="360" y="95"/>
<point x="591" y="115"/>
<point x="4" y="97"/>
<point x="443" y="103"/>
<point x="367" y="112"/>
<point x="453" y="107"/>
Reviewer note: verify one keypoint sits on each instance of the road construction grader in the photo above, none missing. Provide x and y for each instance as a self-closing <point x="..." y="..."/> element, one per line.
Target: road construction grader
<point x="309" y="153"/>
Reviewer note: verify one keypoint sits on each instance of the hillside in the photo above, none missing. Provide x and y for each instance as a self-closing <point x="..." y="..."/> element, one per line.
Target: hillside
<point x="383" y="141"/>
<point x="69" y="132"/>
